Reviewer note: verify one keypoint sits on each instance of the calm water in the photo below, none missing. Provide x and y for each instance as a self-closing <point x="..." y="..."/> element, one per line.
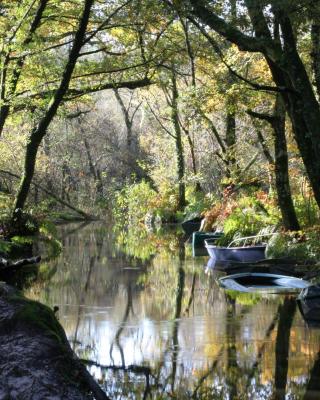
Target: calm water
<point x="153" y="323"/>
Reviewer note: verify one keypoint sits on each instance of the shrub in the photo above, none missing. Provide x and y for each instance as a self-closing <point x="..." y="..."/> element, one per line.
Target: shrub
<point x="300" y="246"/>
<point x="248" y="217"/>
<point x="197" y="202"/>
<point x="137" y="200"/>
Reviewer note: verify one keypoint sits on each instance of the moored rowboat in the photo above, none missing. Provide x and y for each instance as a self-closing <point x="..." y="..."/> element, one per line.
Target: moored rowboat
<point x="243" y="253"/>
<point x="240" y="253"/>
<point x="260" y="282"/>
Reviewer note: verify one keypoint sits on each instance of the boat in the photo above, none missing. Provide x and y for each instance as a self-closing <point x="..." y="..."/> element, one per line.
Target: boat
<point x="240" y="253"/>
<point x="243" y="253"/>
<point x="198" y="238"/>
<point x="262" y="282"/>
<point x="191" y="225"/>
<point x="309" y="305"/>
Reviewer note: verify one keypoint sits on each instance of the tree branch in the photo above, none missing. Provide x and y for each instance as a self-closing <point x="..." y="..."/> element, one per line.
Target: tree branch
<point x="244" y="42"/>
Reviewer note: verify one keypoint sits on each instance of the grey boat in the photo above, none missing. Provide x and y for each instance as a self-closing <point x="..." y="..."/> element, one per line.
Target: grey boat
<point x="261" y="282"/>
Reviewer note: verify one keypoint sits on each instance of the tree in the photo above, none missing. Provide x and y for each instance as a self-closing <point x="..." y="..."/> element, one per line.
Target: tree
<point x="39" y="131"/>
<point x="280" y="162"/>
<point x="11" y="65"/>
<point x="287" y="68"/>
<point x="72" y="81"/>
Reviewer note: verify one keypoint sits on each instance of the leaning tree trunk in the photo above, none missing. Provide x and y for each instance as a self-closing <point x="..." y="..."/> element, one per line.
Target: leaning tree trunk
<point x="39" y="131"/>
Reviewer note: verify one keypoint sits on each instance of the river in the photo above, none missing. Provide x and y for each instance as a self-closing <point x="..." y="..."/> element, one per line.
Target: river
<point x="151" y="322"/>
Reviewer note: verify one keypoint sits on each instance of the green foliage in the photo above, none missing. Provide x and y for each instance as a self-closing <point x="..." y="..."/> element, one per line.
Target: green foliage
<point x="244" y="299"/>
<point x="48" y="234"/>
<point x="48" y="229"/>
<point x="141" y="244"/>
<point x="46" y="271"/>
<point x="137" y="243"/>
<point x="300" y="246"/>
<point x="135" y="201"/>
<point x="197" y="202"/>
<point x="307" y="210"/>
<point x="5" y="203"/>
<point x="22" y="240"/>
<point x="248" y="218"/>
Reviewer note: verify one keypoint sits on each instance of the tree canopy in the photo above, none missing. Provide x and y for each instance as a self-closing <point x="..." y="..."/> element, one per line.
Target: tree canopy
<point x="191" y="96"/>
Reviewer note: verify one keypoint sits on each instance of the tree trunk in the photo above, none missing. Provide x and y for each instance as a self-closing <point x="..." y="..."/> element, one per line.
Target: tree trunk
<point x="301" y="104"/>
<point x="230" y="138"/>
<point x="4" y="112"/>
<point x="198" y="187"/>
<point x="288" y="72"/>
<point x="315" y="37"/>
<point x="277" y="121"/>
<point x="268" y="157"/>
<point x="39" y="131"/>
<point x="127" y="119"/>
<point x="179" y="144"/>
<point x="185" y="27"/>
<point x="289" y="217"/>
<point x="93" y="170"/>
<point x="306" y="134"/>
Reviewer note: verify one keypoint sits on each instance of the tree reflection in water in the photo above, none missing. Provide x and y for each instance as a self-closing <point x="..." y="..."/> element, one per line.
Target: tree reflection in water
<point x="286" y="314"/>
<point x="151" y="324"/>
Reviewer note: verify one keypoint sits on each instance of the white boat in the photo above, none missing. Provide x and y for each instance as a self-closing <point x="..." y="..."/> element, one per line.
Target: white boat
<point x="261" y="282"/>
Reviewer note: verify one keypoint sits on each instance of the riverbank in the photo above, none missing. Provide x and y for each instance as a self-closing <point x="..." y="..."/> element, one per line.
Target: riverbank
<point x="36" y="356"/>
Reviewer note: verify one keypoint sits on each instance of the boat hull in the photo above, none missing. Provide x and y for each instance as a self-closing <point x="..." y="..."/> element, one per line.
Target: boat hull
<point x="242" y="254"/>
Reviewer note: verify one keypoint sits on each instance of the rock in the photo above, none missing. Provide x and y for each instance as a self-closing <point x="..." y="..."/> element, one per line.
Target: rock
<point x="36" y="360"/>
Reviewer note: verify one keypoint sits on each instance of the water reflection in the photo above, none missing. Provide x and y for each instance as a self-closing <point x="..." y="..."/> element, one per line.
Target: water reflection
<point x="151" y="324"/>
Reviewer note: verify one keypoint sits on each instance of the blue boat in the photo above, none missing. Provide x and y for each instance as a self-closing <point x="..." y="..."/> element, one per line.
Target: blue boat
<point x="240" y="254"/>
<point x="244" y="253"/>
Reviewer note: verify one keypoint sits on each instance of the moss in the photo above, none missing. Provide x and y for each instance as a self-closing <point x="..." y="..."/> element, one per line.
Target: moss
<point x="39" y="316"/>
